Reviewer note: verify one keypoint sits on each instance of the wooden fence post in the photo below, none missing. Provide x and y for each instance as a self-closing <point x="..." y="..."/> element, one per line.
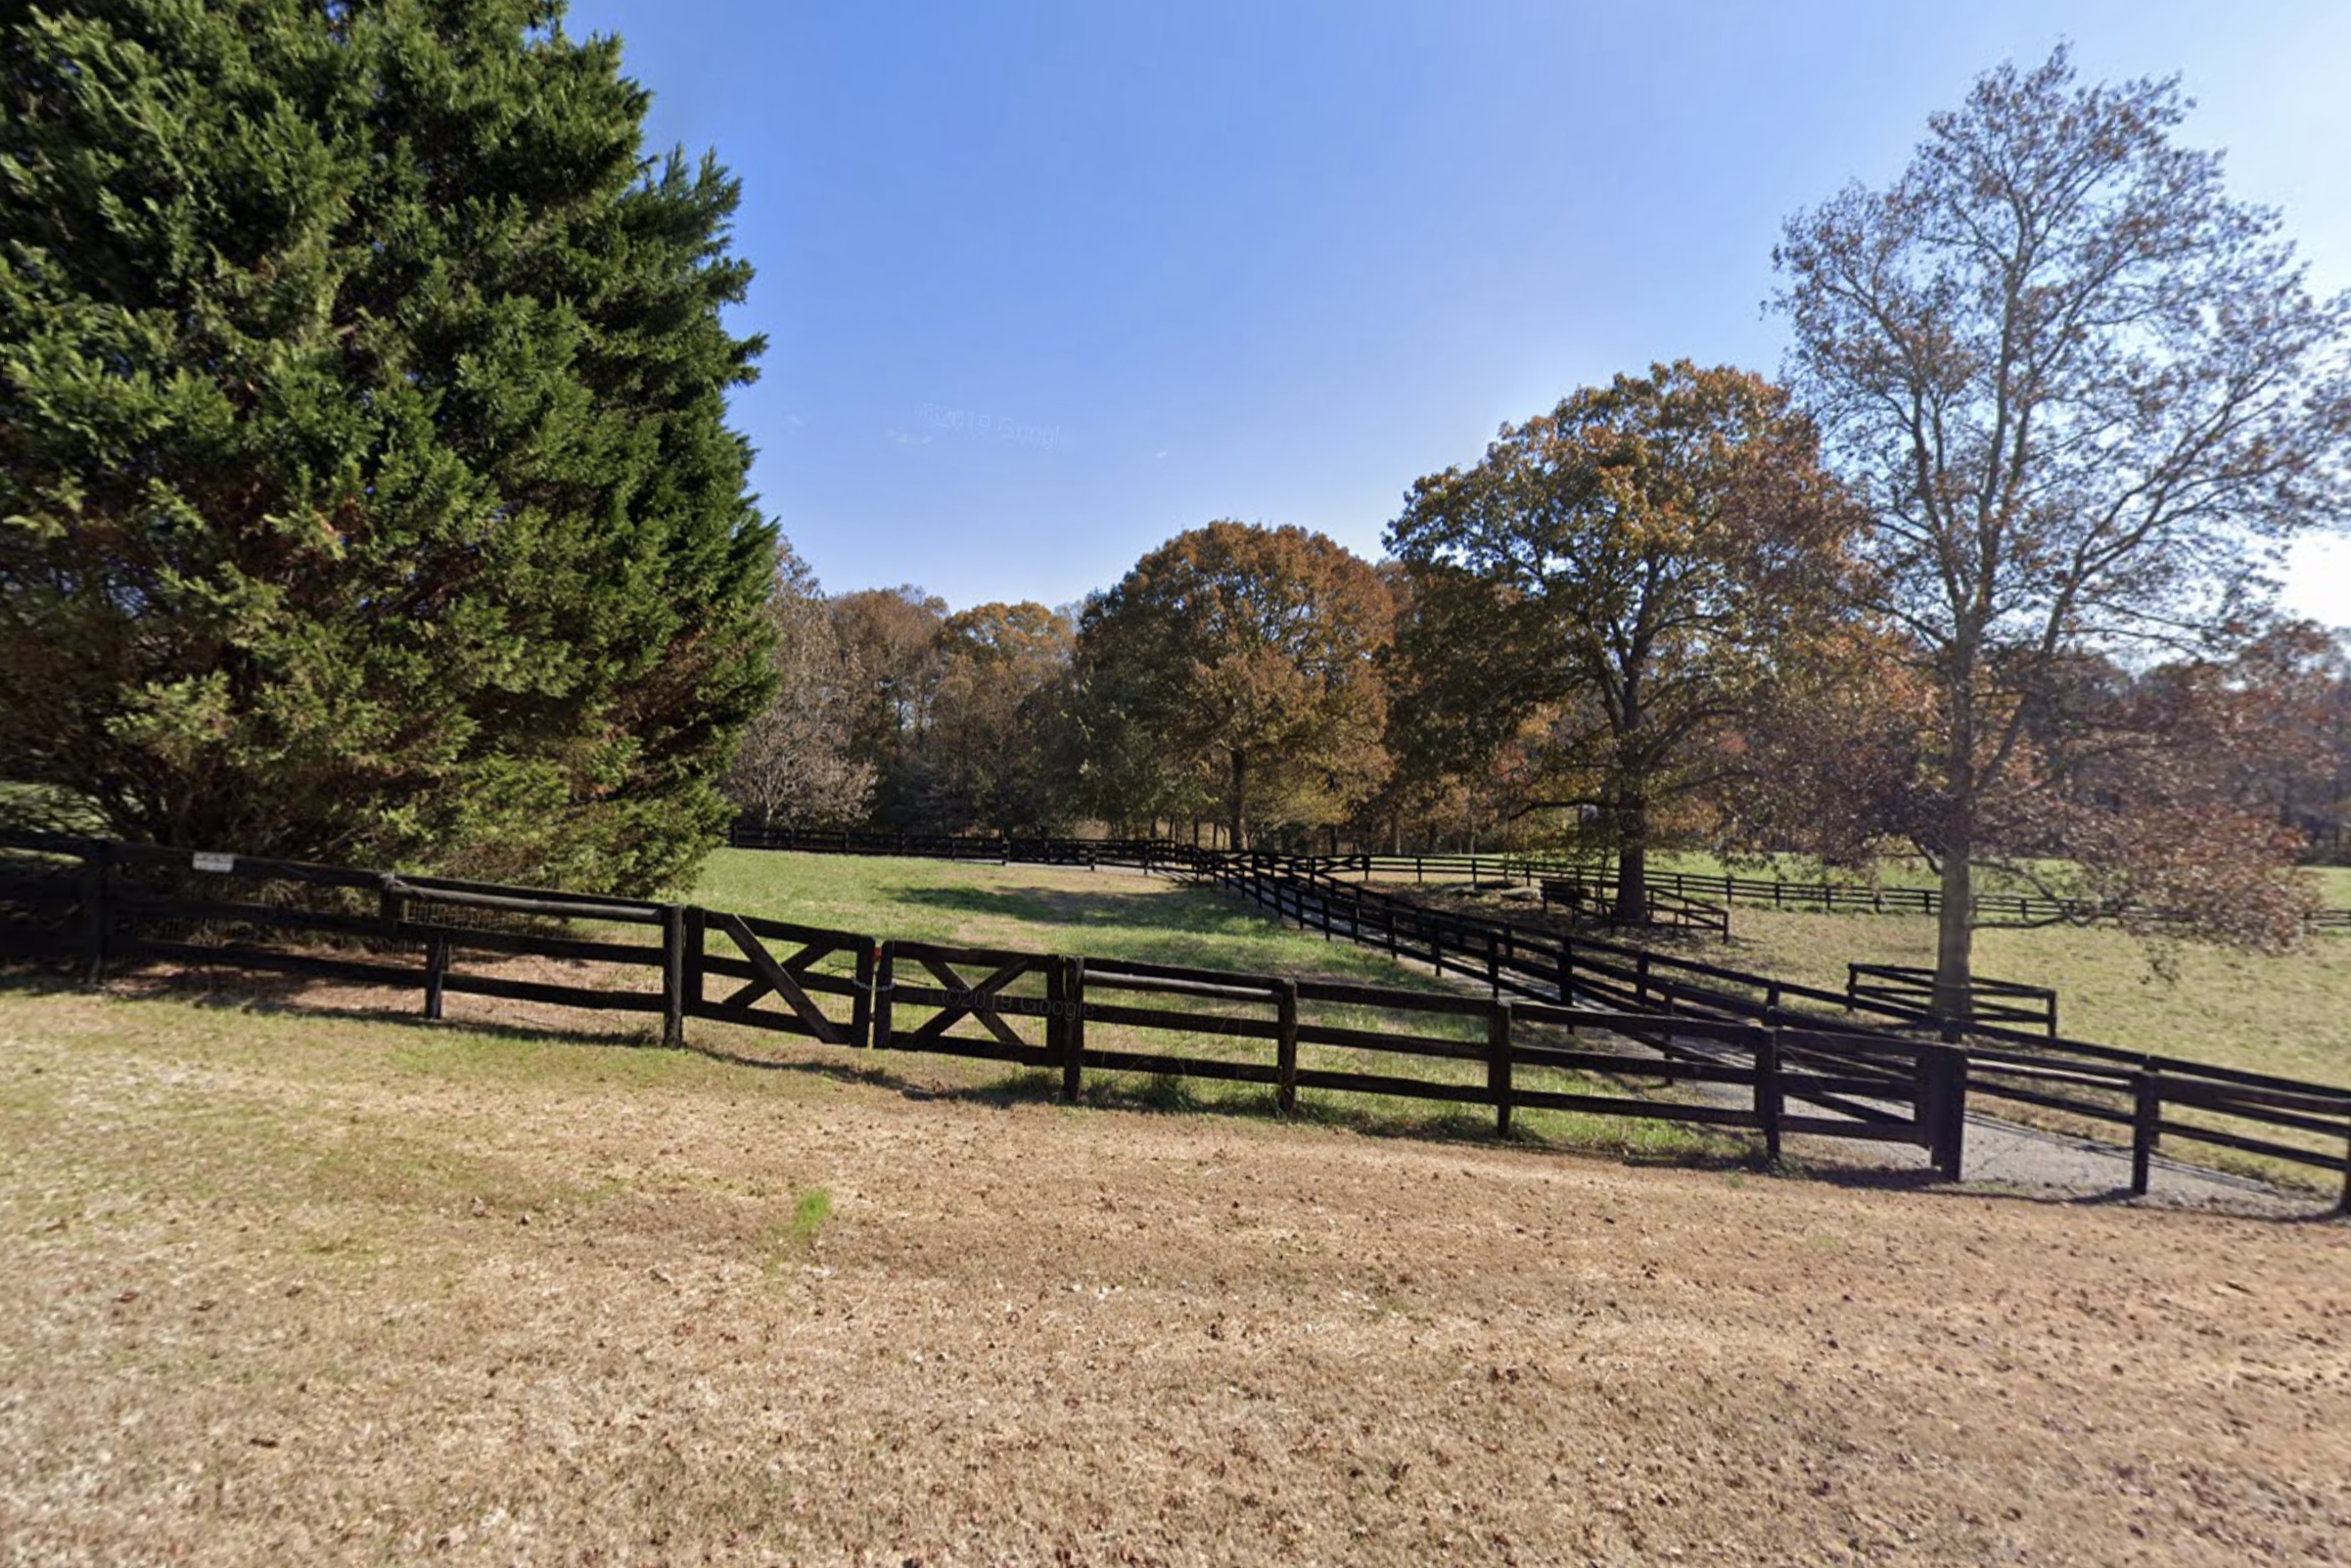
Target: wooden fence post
<point x="1073" y="1028"/>
<point x="698" y="923"/>
<point x="674" y="975"/>
<point x="1948" y="1129"/>
<point x="1057" y="1034"/>
<point x="436" y="969"/>
<point x="1494" y="967"/>
<point x="1498" y="1066"/>
<point x="885" y="979"/>
<point x="2146" y="1126"/>
<point x="1926" y="1101"/>
<point x="1285" y="1047"/>
<point x="1769" y="1101"/>
<point x="2345" y="1207"/>
<point x="860" y="1006"/>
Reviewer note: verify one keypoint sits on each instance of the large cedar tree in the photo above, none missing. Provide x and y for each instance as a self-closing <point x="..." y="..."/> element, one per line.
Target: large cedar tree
<point x="365" y="487"/>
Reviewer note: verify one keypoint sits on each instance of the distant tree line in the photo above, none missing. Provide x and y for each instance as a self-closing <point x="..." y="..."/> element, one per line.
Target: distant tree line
<point x="1690" y="672"/>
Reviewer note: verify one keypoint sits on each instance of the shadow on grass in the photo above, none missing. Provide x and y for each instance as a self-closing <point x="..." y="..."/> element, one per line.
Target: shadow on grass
<point x="37" y="979"/>
<point x="297" y="997"/>
<point x="1157" y="911"/>
<point x="1159" y="1095"/>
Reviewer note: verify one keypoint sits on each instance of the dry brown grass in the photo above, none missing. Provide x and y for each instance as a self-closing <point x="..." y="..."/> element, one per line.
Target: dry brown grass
<point x="284" y="1288"/>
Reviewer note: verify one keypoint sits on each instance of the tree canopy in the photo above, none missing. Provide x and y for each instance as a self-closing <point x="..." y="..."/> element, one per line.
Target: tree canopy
<point x="997" y="738"/>
<point x="794" y="765"/>
<point x="2082" y="392"/>
<point x="1232" y="670"/>
<point x="365" y="491"/>
<point x="1628" y="572"/>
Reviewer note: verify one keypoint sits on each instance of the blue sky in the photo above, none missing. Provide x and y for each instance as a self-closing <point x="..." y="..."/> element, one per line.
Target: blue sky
<point x="1047" y="284"/>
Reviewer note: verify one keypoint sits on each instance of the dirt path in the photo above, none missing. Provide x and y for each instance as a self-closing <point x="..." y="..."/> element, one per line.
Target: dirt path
<point x="2027" y="1160"/>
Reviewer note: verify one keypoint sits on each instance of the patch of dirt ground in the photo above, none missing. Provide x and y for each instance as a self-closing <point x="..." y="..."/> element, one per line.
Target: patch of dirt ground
<point x="311" y="1289"/>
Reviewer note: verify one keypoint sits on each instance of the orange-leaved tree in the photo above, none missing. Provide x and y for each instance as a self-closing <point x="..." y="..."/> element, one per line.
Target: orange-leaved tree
<point x="1233" y="670"/>
<point x="1628" y="572"/>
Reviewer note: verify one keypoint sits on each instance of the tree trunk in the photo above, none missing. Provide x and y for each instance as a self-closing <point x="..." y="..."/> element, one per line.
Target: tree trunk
<point x="1955" y="935"/>
<point x="1632" y="861"/>
<point x="1240" y="782"/>
<point x="1955" y="926"/>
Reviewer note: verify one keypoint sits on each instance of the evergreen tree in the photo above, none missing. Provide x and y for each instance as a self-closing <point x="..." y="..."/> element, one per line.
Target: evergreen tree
<point x="365" y="491"/>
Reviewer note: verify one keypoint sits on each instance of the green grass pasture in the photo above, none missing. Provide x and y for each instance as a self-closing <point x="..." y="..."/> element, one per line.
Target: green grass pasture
<point x="2333" y="882"/>
<point x="2289" y="1014"/>
<point x="1124" y="915"/>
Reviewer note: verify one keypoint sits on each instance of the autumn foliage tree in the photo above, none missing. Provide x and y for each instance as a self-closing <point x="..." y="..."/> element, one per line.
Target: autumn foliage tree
<point x="2289" y="688"/>
<point x="996" y="737"/>
<point x="889" y="639"/>
<point x="1625" y="575"/>
<point x="2081" y="391"/>
<point x="794" y="767"/>
<point x="1826" y="762"/>
<point x="1232" y="670"/>
<point x="2195" y="779"/>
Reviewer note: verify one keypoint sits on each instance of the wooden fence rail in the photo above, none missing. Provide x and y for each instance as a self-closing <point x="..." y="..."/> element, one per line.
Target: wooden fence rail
<point x="1553" y="1006"/>
<point x="1589" y="899"/>
<point x="2080" y="1078"/>
<point x="1989" y="1001"/>
<point x="106" y="905"/>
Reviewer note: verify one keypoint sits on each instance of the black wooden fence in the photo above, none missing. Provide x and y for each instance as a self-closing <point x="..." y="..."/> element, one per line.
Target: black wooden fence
<point x="103" y="904"/>
<point x="1990" y="1002"/>
<point x="2148" y="1098"/>
<point x="1762" y="1055"/>
<point x="1589" y="899"/>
